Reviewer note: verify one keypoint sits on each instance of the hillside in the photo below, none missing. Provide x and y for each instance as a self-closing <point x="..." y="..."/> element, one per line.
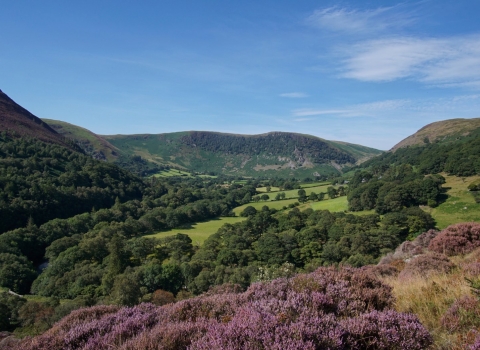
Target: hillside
<point x="438" y="132"/>
<point x="271" y="154"/>
<point x="90" y="142"/>
<point x="17" y="121"/>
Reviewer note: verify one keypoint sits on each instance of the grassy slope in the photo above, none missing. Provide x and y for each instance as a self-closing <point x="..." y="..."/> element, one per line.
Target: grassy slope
<point x="441" y="131"/>
<point x="84" y="137"/>
<point x="430" y="298"/>
<point x="460" y="205"/>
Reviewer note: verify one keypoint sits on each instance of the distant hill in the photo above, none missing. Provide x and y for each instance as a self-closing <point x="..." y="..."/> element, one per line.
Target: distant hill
<point x="451" y="146"/>
<point x="270" y="154"/>
<point x="91" y="143"/>
<point x="442" y="131"/>
<point x="18" y="122"/>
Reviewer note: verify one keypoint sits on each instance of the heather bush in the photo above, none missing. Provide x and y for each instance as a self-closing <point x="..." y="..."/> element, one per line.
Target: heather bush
<point x="386" y="330"/>
<point x="457" y="239"/>
<point x="326" y="309"/>
<point x="462" y="315"/>
<point x="471" y="269"/>
<point x="352" y="290"/>
<point x="476" y="345"/>
<point x="168" y="336"/>
<point x="426" y="265"/>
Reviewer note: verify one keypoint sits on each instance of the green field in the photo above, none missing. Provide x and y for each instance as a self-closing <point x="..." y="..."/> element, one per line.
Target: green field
<point x="315" y="184"/>
<point x="259" y="205"/>
<point x="264" y="189"/>
<point x="336" y="204"/>
<point x="171" y="172"/>
<point x="460" y="205"/>
<point x="294" y="193"/>
<point x="199" y="232"/>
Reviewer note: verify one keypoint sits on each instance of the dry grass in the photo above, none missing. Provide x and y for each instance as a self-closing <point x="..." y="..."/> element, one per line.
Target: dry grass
<point x="430" y="298"/>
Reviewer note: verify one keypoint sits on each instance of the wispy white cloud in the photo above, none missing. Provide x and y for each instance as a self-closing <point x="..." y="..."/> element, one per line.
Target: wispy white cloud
<point x="357" y="110"/>
<point x="304" y="112"/>
<point x="294" y="95"/>
<point x="340" y="19"/>
<point x="444" y="62"/>
<point x="303" y="119"/>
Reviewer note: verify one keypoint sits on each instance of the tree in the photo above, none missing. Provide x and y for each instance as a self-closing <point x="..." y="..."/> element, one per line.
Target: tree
<point x="313" y="196"/>
<point x="126" y="289"/>
<point x="248" y="211"/>
<point x="302" y="196"/>
<point x="332" y="192"/>
<point x="265" y="197"/>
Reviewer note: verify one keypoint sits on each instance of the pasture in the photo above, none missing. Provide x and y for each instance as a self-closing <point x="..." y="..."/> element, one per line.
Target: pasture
<point x="200" y="231"/>
<point x="460" y="205"/>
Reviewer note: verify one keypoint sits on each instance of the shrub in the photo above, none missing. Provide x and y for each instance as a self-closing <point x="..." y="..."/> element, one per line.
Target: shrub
<point x="472" y="269"/>
<point x="426" y="265"/>
<point x="161" y="297"/>
<point x="326" y="309"/>
<point x="462" y="315"/>
<point x="457" y="239"/>
<point x="386" y="330"/>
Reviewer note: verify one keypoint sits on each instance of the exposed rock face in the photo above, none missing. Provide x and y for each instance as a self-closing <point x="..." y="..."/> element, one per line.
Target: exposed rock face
<point x="409" y="249"/>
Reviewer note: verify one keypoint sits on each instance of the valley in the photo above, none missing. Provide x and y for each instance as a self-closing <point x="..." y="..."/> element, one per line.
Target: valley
<point x="133" y="222"/>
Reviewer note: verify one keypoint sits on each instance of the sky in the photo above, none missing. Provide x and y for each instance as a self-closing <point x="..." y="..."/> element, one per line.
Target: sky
<point x="365" y="72"/>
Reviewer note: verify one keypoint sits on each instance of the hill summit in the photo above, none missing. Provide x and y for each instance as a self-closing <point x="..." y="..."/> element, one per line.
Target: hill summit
<point x="17" y="121"/>
<point x="442" y="131"/>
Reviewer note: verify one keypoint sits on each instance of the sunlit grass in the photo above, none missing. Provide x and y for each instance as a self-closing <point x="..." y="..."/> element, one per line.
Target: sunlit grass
<point x="460" y="205"/>
<point x="199" y="232"/>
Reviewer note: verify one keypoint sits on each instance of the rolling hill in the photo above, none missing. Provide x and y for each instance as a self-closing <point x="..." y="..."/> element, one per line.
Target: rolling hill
<point x="270" y="154"/>
<point x="439" y="132"/>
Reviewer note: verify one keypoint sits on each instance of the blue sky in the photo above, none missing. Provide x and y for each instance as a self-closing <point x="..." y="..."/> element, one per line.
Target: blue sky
<point x="366" y="72"/>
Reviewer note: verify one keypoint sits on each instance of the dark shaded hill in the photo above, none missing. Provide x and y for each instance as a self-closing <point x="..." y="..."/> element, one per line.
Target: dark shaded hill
<point x="18" y="122"/>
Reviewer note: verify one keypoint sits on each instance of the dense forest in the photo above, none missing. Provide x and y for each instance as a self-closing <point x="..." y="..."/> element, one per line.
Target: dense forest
<point x="40" y="182"/>
<point x="300" y="146"/>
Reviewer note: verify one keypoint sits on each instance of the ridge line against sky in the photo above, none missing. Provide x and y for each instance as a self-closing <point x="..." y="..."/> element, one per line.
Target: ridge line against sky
<point x="369" y="73"/>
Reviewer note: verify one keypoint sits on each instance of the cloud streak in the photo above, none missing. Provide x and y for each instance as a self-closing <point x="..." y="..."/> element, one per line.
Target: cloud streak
<point x="443" y="62"/>
<point x="294" y="95"/>
<point x="351" y="21"/>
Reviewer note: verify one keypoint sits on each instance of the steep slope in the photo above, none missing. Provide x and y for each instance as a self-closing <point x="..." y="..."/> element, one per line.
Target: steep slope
<point x="275" y="153"/>
<point x="91" y="143"/>
<point x="17" y="121"/>
<point x="442" y="131"/>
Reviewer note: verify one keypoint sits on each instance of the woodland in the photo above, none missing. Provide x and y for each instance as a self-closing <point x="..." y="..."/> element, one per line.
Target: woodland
<point x="75" y="256"/>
